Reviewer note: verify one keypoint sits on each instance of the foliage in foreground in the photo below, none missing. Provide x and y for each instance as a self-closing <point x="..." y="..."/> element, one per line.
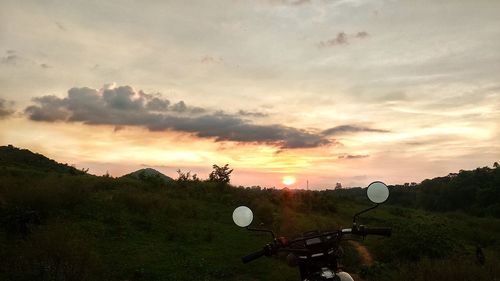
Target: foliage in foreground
<point x="73" y="226"/>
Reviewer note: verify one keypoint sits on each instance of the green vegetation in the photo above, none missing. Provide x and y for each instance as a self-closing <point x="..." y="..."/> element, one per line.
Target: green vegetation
<point x="60" y="225"/>
<point x="220" y="174"/>
<point x="23" y="158"/>
<point x="150" y="175"/>
<point x="475" y="192"/>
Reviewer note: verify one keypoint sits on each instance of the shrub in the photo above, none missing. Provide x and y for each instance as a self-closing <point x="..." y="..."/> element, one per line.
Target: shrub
<point x="53" y="253"/>
<point x="412" y="241"/>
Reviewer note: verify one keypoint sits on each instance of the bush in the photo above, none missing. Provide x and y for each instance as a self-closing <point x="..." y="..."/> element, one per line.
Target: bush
<point x="53" y="253"/>
<point x="459" y="268"/>
<point x="412" y="241"/>
<point x="136" y="202"/>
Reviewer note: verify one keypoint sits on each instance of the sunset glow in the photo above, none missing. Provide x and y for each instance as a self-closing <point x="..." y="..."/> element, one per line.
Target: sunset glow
<point x="289" y="180"/>
<point x="329" y="91"/>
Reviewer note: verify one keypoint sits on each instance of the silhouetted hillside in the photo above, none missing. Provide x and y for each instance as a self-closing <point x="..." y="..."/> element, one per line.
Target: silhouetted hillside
<point x="11" y="156"/>
<point x="476" y="192"/>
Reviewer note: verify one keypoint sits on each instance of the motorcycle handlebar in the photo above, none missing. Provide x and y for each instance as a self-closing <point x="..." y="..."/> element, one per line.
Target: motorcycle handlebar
<point x="253" y="256"/>
<point x="270" y="248"/>
<point x="382" y="231"/>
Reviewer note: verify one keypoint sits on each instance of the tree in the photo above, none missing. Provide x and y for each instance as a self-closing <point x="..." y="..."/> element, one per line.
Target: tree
<point x="496" y="165"/>
<point x="338" y="186"/>
<point x="220" y="174"/>
<point x="183" y="177"/>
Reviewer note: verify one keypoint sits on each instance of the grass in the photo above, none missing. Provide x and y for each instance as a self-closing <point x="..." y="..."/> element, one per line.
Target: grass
<point x="82" y="227"/>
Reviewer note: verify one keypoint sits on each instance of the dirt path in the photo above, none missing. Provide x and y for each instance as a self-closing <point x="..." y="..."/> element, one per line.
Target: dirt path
<point x="364" y="255"/>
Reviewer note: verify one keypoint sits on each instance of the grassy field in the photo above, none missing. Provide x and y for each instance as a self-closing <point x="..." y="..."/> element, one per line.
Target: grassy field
<point x="58" y="226"/>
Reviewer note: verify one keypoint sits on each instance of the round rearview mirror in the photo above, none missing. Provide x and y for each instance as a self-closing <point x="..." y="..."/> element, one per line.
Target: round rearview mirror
<point x="377" y="192"/>
<point x="242" y="216"/>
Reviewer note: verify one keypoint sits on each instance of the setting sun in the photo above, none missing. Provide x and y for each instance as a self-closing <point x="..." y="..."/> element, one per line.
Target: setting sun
<point x="289" y="180"/>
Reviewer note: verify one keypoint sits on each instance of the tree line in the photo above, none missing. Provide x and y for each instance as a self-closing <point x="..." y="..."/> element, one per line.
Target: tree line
<point x="476" y="192"/>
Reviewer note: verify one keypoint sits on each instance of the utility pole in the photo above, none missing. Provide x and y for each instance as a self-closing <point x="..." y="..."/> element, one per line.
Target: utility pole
<point x="307" y="184"/>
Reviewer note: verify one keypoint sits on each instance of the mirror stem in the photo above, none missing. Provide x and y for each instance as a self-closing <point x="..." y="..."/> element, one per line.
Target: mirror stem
<point x="261" y="230"/>
<point x="364" y="211"/>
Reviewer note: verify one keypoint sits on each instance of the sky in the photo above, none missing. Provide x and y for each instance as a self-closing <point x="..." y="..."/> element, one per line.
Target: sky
<point x="325" y="91"/>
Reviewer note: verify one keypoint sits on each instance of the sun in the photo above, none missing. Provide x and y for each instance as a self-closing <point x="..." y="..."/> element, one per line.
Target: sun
<point x="289" y="180"/>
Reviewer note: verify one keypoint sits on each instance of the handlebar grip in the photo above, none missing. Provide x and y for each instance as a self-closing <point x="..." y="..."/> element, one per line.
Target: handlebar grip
<point x="382" y="231"/>
<point x="253" y="256"/>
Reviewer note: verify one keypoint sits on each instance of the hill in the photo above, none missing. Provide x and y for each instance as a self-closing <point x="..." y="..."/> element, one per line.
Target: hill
<point x="11" y="156"/>
<point x="149" y="174"/>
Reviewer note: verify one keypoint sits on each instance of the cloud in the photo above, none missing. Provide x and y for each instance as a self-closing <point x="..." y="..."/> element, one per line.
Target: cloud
<point x="288" y="2"/>
<point x="157" y="104"/>
<point x="252" y="114"/>
<point x="361" y="34"/>
<point x="344" y="129"/>
<point x="10" y="58"/>
<point x="44" y="65"/>
<point x="6" y="109"/>
<point x="342" y="38"/>
<point x="123" y="106"/>
<point x="300" y="2"/>
<point x="349" y="156"/>
<point x="50" y="109"/>
<point x="60" y="26"/>
<point x="179" y="107"/>
<point x="211" y="60"/>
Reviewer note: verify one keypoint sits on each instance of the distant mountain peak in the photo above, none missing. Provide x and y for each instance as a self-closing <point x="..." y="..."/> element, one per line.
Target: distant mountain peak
<point x="148" y="173"/>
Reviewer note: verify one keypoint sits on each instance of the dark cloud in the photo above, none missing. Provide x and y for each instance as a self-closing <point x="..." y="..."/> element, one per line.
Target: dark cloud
<point x="121" y="98"/>
<point x="349" y="156"/>
<point x="342" y="39"/>
<point x="252" y="114"/>
<point x="122" y="106"/>
<point x="179" y="107"/>
<point x="350" y="129"/>
<point x="196" y="109"/>
<point x="361" y="34"/>
<point x="50" y="109"/>
<point x="157" y="104"/>
<point x="6" y="109"/>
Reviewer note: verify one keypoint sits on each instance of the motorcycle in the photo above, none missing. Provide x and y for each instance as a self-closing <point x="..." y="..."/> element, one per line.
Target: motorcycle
<point x="316" y="253"/>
